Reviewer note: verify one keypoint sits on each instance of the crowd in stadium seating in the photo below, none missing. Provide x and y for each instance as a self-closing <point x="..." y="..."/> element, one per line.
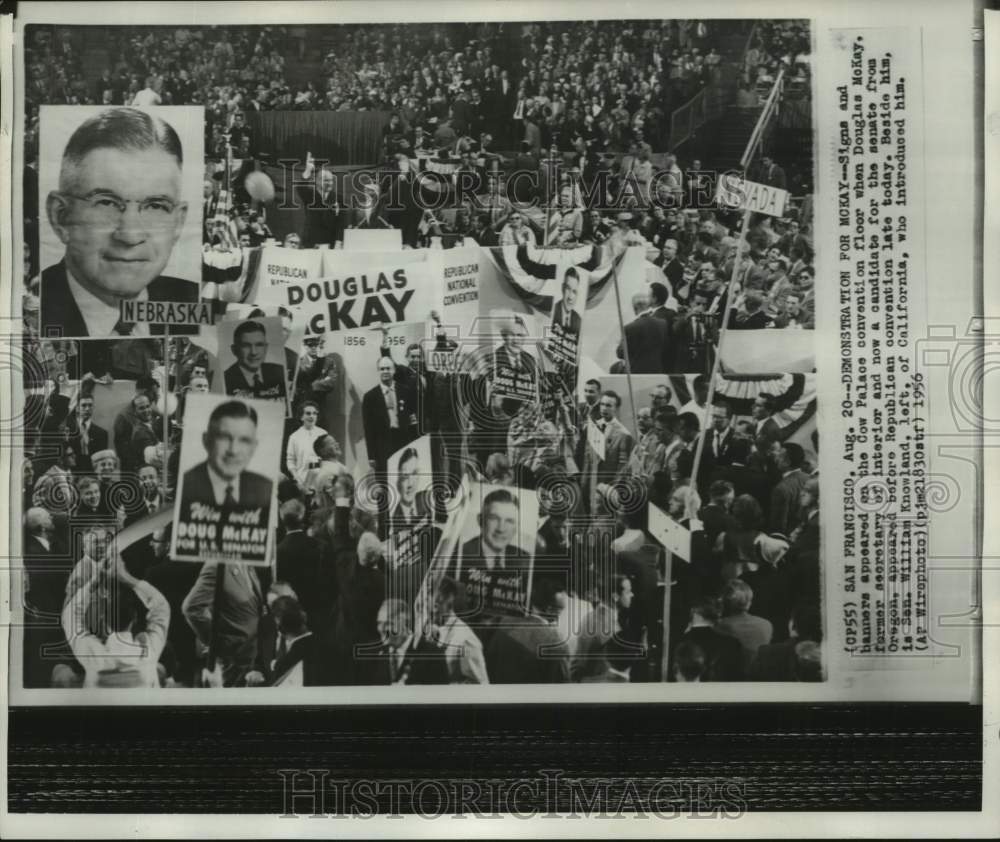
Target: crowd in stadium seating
<point x="613" y="81"/>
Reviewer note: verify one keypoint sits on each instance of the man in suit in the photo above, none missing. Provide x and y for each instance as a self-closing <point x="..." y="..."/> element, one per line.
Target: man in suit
<point x="85" y="437"/>
<point x="766" y="430"/>
<point x="751" y="315"/>
<point x="152" y="499"/>
<point x="306" y="662"/>
<point x="723" y="654"/>
<point x="414" y="377"/>
<point x="780" y="661"/>
<point x="144" y="433"/>
<point x="325" y="221"/>
<point x="126" y="420"/>
<point x="495" y="548"/>
<point x="48" y="566"/>
<point x="771" y="173"/>
<point x="404" y="200"/>
<point x="175" y="582"/>
<point x="119" y="213"/>
<point x="671" y="266"/>
<point x="688" y="427"/>
<point x="647" y="339"/>
<point x="618" y="444"/>
<point x="692" y="336"/>
<point x="744" y="479"/>
<point x="412" y="508"/>
<point x="222" y="480"/>
<point x="785" y="511"/>
<point x="720" y="435"/>
<point x="225" y="617"/>
<point x="531" y="649"/>
<point x="250" y="376"/>
<point x="300" y="564"/>
<point x="388" y="413"/>
<point x="794" y="313"/>
<point x="660" y="296"/>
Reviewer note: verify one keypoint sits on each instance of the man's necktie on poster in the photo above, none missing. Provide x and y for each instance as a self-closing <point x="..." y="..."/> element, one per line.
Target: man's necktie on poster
<point x="229" y="501"/>
<point x="257" y="382"/>
<point x="123" y="328"/>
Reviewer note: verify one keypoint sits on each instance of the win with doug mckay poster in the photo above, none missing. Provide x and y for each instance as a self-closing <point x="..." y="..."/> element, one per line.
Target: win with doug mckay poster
<point x="225" y="509"/>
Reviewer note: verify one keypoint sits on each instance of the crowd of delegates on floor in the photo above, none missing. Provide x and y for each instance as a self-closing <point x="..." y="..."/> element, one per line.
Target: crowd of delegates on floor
<point x="745" y="605"/>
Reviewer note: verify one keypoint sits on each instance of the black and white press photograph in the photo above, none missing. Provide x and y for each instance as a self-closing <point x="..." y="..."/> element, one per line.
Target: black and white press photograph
<point x="397" y="362"/>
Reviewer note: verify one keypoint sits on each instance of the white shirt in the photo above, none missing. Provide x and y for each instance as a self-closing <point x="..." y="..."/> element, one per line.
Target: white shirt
<point x="121" y="651"/>
<point x="220" y="484"/>
<point x="320" y="480"/>
<point x="299" y="453"/>
<point x="146" y="97"/>
<point x="463" y="653"/>
<point x="99" y="317"/>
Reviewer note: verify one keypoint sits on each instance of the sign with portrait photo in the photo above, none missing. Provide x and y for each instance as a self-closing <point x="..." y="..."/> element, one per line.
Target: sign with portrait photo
<point x="562" y="341"/>
<point x="412" y="535"/>
<point x="226" y="504"/>
<point x="252" y="360"/>
<point x="493" y="557"/>
<point x="292" y="330"/>
<point x="514" y="368"/>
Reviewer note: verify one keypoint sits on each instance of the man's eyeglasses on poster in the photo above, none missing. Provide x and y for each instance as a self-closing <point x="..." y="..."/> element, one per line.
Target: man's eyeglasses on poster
<point x="108" y="209"/>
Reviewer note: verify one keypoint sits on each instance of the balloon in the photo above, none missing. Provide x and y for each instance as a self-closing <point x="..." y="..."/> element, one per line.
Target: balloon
<point x="259" y="186"/>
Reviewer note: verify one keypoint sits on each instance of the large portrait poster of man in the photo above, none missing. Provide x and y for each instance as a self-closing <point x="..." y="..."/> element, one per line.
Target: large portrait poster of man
<point x="120" y="190"/>
<point x="226" y="508"/>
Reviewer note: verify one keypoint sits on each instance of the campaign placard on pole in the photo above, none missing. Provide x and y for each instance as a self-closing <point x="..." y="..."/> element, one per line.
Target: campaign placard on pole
<point x="734" y="191"/>
<point x="252" y="360"/>
<point x="674" y="537"/>
<point x="493" y="557"/>
<point x="226" y="507"/>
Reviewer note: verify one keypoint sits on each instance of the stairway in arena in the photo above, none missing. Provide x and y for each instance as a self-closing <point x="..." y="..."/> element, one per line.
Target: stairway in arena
<point x="731" y="133"/>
